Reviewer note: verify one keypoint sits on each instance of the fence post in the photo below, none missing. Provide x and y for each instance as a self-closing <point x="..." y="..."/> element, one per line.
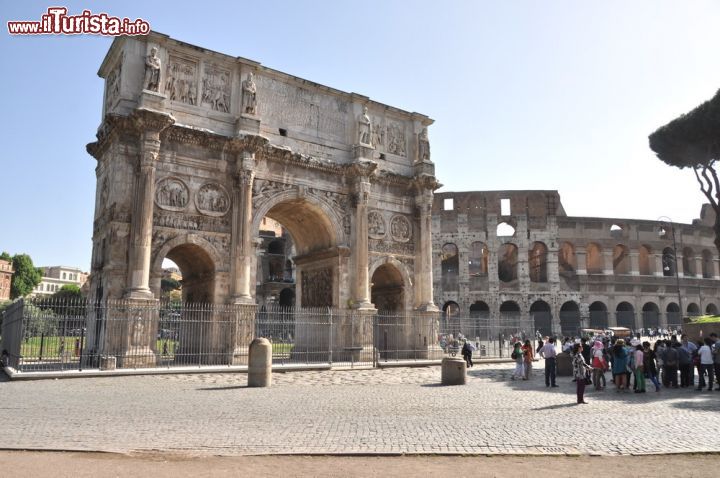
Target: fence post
<point x="331" y="335"/>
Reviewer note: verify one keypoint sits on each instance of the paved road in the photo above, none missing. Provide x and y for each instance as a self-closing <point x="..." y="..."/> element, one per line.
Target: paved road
<point x="400" y="410"/>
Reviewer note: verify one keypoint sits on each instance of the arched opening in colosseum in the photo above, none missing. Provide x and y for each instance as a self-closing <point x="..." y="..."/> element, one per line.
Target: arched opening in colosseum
<point x="509" y="311"/>
<point x="567" y="261"/>
<point x="594" y="259"/>
<point x="570" y="318"/>
<point x="650" y="316"/>
<point x="673" y="314"/>
<point x="621" y="260"/>
<point x="616" y="231"/>
<point x="711" y="309"/>
<point x="450" y="309"/>
<point x="598" y="315"/>
<point x="508" y="263"/>
<point x="668" y="262"/>
<point x="688" y="262"/>
<point x="693" y="309"/>
<point x="645" y="261"/>
<point x="450" y="265"/>
<point x="505" y="229"/>
<point x="625" y="314"/>
<point x="537" y="261"/>
<point x="708" y="271"/>
<point x="287" y="298"/>
<point x="387" y="290"/>
<point x="478" y="260"/>
<point x="480" y="310"/>
<point x="542" y="315"/>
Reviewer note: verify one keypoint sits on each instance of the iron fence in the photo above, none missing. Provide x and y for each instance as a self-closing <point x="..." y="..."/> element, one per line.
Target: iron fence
<point x="53" y="335"/>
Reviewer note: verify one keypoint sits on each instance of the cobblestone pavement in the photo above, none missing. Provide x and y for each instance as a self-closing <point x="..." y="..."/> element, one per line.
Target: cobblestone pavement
<point x="374" y="411"/>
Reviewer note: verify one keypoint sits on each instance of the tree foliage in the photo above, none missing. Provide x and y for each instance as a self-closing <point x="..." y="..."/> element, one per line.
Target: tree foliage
<point x="68" y="292"/>
<point x="26" y="276"/>
<point x="693" y="140"/>
<point x="5" y="256"/>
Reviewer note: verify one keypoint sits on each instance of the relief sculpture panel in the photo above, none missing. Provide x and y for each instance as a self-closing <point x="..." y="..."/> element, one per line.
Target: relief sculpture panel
<point x="212" y="200"/>
<point x="317" y="288"/>
<point x="216" y="88"/>
<point x="171" y="194"/>
<point x="112" y="87"/>
<point x="181" y="82"/>
<point x="376" y="225"/>
<point x="400" y="228"/>
<point x="396" y="138"/>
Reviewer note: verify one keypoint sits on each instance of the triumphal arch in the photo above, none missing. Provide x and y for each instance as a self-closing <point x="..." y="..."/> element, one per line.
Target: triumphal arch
<point x="196" y="147"/>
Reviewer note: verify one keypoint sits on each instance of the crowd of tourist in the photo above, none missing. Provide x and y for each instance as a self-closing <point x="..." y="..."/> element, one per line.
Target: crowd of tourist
<point x="633" y="364"/>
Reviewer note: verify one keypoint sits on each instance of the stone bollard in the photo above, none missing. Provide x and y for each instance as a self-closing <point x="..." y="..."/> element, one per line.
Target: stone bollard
<point x="453" y="371"/>
<point x="260" y="363"/>
<point x="564" y="365"/>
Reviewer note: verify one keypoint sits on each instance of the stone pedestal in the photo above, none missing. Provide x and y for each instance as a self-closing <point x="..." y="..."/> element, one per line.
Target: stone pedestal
<point x="247" y="124"/>
<point x="152" y="100"/>
<point x="453" y="371"/>
<point x="564" y="365"/>
<point x="260" y="363"/>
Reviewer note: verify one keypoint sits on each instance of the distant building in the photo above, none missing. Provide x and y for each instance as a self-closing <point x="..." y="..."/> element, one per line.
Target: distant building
<point x="55" y="277"/>
<point x="275" y="268"/>
<point x="6" y="273"/>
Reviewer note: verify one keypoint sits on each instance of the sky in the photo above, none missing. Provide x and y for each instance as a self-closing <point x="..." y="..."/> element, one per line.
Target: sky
<point x="525" y="95"/>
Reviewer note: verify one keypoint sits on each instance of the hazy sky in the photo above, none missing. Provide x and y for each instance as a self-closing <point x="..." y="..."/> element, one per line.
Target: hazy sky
<point x="525" y="95"/>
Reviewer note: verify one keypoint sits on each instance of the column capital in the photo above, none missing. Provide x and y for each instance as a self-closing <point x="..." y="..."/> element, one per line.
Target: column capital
<point x="153" y="122"/>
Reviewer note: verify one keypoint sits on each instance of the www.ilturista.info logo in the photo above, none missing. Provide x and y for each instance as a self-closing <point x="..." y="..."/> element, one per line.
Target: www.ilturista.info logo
<point x="58" y="22"/>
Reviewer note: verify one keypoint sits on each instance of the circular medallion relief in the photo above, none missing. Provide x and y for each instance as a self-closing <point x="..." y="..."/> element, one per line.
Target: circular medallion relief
<point x="400" y="229"/>
<point x="376" y="225"/>
<point x="171" y="194"/>
<point x="212" y="200"/>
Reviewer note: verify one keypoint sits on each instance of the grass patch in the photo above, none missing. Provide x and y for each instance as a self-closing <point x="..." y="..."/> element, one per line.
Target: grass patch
<point x="706" y="319"/>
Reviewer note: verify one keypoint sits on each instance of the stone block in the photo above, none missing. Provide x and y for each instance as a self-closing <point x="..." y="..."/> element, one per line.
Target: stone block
<point x="453" y="371"/>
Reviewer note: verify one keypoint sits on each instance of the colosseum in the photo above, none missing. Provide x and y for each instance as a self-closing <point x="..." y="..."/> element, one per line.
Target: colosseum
<point x="499" y="254"/>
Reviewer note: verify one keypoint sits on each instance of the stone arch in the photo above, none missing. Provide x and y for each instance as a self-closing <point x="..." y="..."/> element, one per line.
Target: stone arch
<point x="198" y="261"/>
<point x="668" y="262"/>
<point x="625" y="315"/>
<point x="478" y="260"/>
<point x="542" y="315"/>
<point x="621" y="259"/>
<point x="567" y="260"/>
<point x="537" y="261"/>
<point x="393" y="283"/>
<point x="479" y="309"/>
<point x="711" y="309"/>
<point x="594" y="259"/>
<point x="450" y="309"/>
<point x="313" y="224"/>
<point x="570" y="318"/>
<point x="645" y="261"/>
<point x="449" y="266"/>
<point x="693" y="309"/>
<point x="598" y="315"/>
<point x="508" y="262"/>
<point x="650" y="315"/>
<point x="287" y="298"/>
<point x="708" y="271"/>
<point x="688" y="261"/>
<point x="672" y="311"/>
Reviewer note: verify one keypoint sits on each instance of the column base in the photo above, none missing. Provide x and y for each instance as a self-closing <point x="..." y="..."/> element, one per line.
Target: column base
<point x="247" y="123"/>
<point x="243" y="300"/>
<point x="139" y="294"/>
<point x="138" y="357"/>
<point x="429" y="307"/>
<point x="363" y="305"/>
<point x="152" y="100"/>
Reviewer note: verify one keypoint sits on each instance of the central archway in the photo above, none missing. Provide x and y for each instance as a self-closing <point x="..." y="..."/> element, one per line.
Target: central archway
<point x="316" y="232"/>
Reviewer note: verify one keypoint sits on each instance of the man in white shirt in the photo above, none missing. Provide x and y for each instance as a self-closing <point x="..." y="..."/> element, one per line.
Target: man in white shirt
<point x="549" y="353"/>
<point x="706" y="364"/>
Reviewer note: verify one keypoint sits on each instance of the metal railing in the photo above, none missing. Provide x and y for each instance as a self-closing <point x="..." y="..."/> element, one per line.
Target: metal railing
<point x="51" y="335"/>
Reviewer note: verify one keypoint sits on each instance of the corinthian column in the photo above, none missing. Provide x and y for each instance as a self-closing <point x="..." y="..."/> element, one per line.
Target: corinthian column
<point x="360" y="247"/>
<point x="242" y="250"/>
<point x="423" y="253"/>
<point x="138" y="279"/>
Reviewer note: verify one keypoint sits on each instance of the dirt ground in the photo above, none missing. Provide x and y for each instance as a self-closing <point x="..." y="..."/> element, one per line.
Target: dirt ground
<point x="78" y="464"/>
